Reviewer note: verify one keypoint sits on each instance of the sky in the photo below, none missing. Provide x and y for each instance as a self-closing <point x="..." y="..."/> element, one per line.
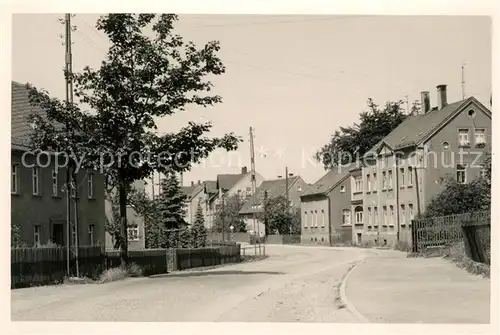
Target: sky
<point x="294" y="79"/>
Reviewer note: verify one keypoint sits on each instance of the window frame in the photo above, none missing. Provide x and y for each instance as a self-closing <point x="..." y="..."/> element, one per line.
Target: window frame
<point x="35" y="175"/>
<point x="463" y="170"/>
<point x="55" y="182"/>
<point x="14" y="178"/>
<point x="402" y="179"/>
<point x="358" y="216"/>
<point x="90" y="185"/>
<point x="346" y="217"/>
<point x="91" y="230"/>
<point x="402" y="215"/>
<point x="375" y="182"/>
<point x="36" y="235"/>
<point x="410" y="176"/>
<point x="482" y="131"/>
<point x="133" y="229"/>
<point x="463" y="133"/>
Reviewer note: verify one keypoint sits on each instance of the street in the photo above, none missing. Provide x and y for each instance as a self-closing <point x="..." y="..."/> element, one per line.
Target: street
<point x="295" y="284"/>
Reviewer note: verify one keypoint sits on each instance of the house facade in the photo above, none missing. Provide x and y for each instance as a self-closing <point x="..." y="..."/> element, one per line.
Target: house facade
<point x="326" y="209"/>
<point x="196" y="195"/>
<point x="227" y="185"/>
<point x="38" y="195"/>
<point x="411" y="165"/>
<point x="136" y="233"/>
<point x="271" y="189"/>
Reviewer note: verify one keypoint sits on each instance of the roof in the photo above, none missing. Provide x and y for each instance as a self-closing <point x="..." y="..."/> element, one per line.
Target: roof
<point x="227" y="181"/>
<point x="21" y="109"/>
<point x="274" y="188"/>
<point x="416" y="128"/>
<point x="210" y="186"/>
<point x="329" y="181"/>
<point x="192" y="190"/>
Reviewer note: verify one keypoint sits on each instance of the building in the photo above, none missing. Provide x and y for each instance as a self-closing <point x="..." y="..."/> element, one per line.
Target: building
<point x="271" y="189"/>
<point x="196" y="195"/>
<point x="136" y="233"/>
<point x="326" y="209"/>
<point x="38" y="196"/>
<point x="227" y="185"/>
<point x="409" y="167"/>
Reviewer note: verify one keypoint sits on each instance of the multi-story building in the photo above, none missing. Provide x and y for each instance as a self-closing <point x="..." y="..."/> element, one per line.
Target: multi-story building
<point x="196" y="195"/>
<point x="38" y="195"/>
<point x="411" y="165"/>
<point x="227" y="185"/>
<point x="326" y="209"/>
<point x="271" y="189"/>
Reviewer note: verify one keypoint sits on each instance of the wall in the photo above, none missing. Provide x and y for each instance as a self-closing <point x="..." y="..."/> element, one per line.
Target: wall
<point x="315" y="231"/>
<point x="46" y="210"/>
<point x="338" y="201"/>
<point x="441" y="163"/>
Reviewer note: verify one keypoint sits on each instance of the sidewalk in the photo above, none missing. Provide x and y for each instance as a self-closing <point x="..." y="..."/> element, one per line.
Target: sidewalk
<point x="391" y="288"/>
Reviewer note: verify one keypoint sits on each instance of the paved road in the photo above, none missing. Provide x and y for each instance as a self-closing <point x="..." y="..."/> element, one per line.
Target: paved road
<point x="294" y="284"/>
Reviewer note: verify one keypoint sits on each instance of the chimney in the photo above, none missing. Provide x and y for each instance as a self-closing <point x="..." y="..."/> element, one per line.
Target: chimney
<point x="425" y="102"/>
<point x="244" y="170"/>
<point x="192" y="183"/>
<point x="290" y="175"/>
<point x="441" y="98"/>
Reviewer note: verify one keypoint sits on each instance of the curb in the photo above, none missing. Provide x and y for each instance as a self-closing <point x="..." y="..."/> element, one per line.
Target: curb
<point x="349" y="305"/>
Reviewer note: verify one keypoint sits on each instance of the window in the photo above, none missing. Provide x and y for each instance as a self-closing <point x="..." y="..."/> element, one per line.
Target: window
<point x="411" y="214"/>
<point x="358" y="211"/>
<point x="322" y="218"/>
<point x="358" y="184"/>
<point x="375" y="182"/>
<point x="14" y="179"/>
<point x="461" y="174"/>
<point x="91" y="234"/>
<point x="369" y="216"/>
<point x="90" y="181"/>
<point x="375" y="214"/>
<point x="36" y="236"/>
<point x="479" y="137"/>
<point x="385" y="215"/>
<point x="73" y="235"/>
<point x="342" y="189"/>
<point x="384" y="180"/>
<point x="402" y="216"/>
<point x="36" y="180"/>
<point x="305" y="219"/>
<point x="368" y="183"/>
<point x="402" y="173"/>
<point x="55" y="184"/>
<point x="446" y="145"/>
<point x="463" y="137"/>
<point x="410" y="176"/>
<point x="316" y="218"/>
<point x="391" y="216"/>
<point x="133" y="233"/>
<point x="471" y="113"/>
<point x="346" y="217"/>
<point x="482" y="172"/>
<point x="389" y="180"/>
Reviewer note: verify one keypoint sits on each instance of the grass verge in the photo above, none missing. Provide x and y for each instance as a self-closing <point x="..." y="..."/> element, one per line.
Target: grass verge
<point x="456" y="254"/>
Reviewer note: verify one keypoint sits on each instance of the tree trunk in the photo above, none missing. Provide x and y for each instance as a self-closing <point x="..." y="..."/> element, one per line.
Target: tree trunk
<point x="123" y="220"/>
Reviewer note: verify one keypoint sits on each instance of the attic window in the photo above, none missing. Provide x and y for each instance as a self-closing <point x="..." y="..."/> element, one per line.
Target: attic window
<point x="342" y="189"/>
<point x="299" y="189"/>
<point x="446" y="145"/>
<point x="471" y="113"/>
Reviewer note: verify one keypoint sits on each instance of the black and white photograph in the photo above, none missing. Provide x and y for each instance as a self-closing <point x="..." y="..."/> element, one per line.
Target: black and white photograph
<point x="250" y="168"/>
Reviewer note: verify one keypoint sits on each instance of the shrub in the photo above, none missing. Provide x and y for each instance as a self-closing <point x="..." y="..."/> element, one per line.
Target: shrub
<point x="119" y="273"/>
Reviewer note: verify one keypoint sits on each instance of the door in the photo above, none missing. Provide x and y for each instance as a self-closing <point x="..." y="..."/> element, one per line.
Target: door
<point x="359" y="238"/>
<point x="58" y="234"/>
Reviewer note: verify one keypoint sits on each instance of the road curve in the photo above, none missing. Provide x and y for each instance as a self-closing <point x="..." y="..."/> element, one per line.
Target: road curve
<point x="295" y="284"/>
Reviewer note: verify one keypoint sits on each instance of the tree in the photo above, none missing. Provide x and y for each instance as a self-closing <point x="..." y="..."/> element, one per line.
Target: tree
<point x="198" y="231"/>
<point x="141" y="79"/>
<point x="460" y="198"/>
<point x="228" y="215"/>
<point x="349" y="142"/>
<point x="279" y="217"/>
<point x="171" y="203"/>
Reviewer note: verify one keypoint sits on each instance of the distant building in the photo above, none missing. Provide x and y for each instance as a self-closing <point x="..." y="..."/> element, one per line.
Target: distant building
<point x="326" y="209"/>
<point x="274" y="188"/>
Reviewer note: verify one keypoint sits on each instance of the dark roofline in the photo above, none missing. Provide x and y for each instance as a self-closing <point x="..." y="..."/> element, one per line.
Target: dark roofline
<point x="325" y="193"/>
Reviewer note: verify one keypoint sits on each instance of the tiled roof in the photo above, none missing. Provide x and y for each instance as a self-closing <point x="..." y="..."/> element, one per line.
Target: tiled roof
<point x="226" y="181"/>
<point x="274" y="188"/>
<point x="416" y="127"/>
<point x="20" y="112"/>
<point x="329" y="180"/>
<point x="210" y="186"/>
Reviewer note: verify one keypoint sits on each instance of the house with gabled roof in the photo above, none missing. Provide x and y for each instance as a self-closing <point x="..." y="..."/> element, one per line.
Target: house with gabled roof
<point x="326" y="209"/>
<point x="227" y="185"/>
<point x="38" y="195"/>
<point x="271" y="189"/>
<point x="195" y="194"/>
<point x="404" y="171"/>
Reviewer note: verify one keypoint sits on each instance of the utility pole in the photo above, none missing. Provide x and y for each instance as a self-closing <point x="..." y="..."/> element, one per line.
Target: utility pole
<point x="287" y="210"/>
<point x="69" y="100"/>
<point x="463" y="81"/>
<point x="223" y="214"/>
<point x="256" y="227"/>
<point x="397" y="196"/>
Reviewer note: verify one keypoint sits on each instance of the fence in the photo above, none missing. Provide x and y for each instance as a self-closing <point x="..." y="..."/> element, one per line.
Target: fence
<point x="43" y="266"/>
<point x="473" y="229"/>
